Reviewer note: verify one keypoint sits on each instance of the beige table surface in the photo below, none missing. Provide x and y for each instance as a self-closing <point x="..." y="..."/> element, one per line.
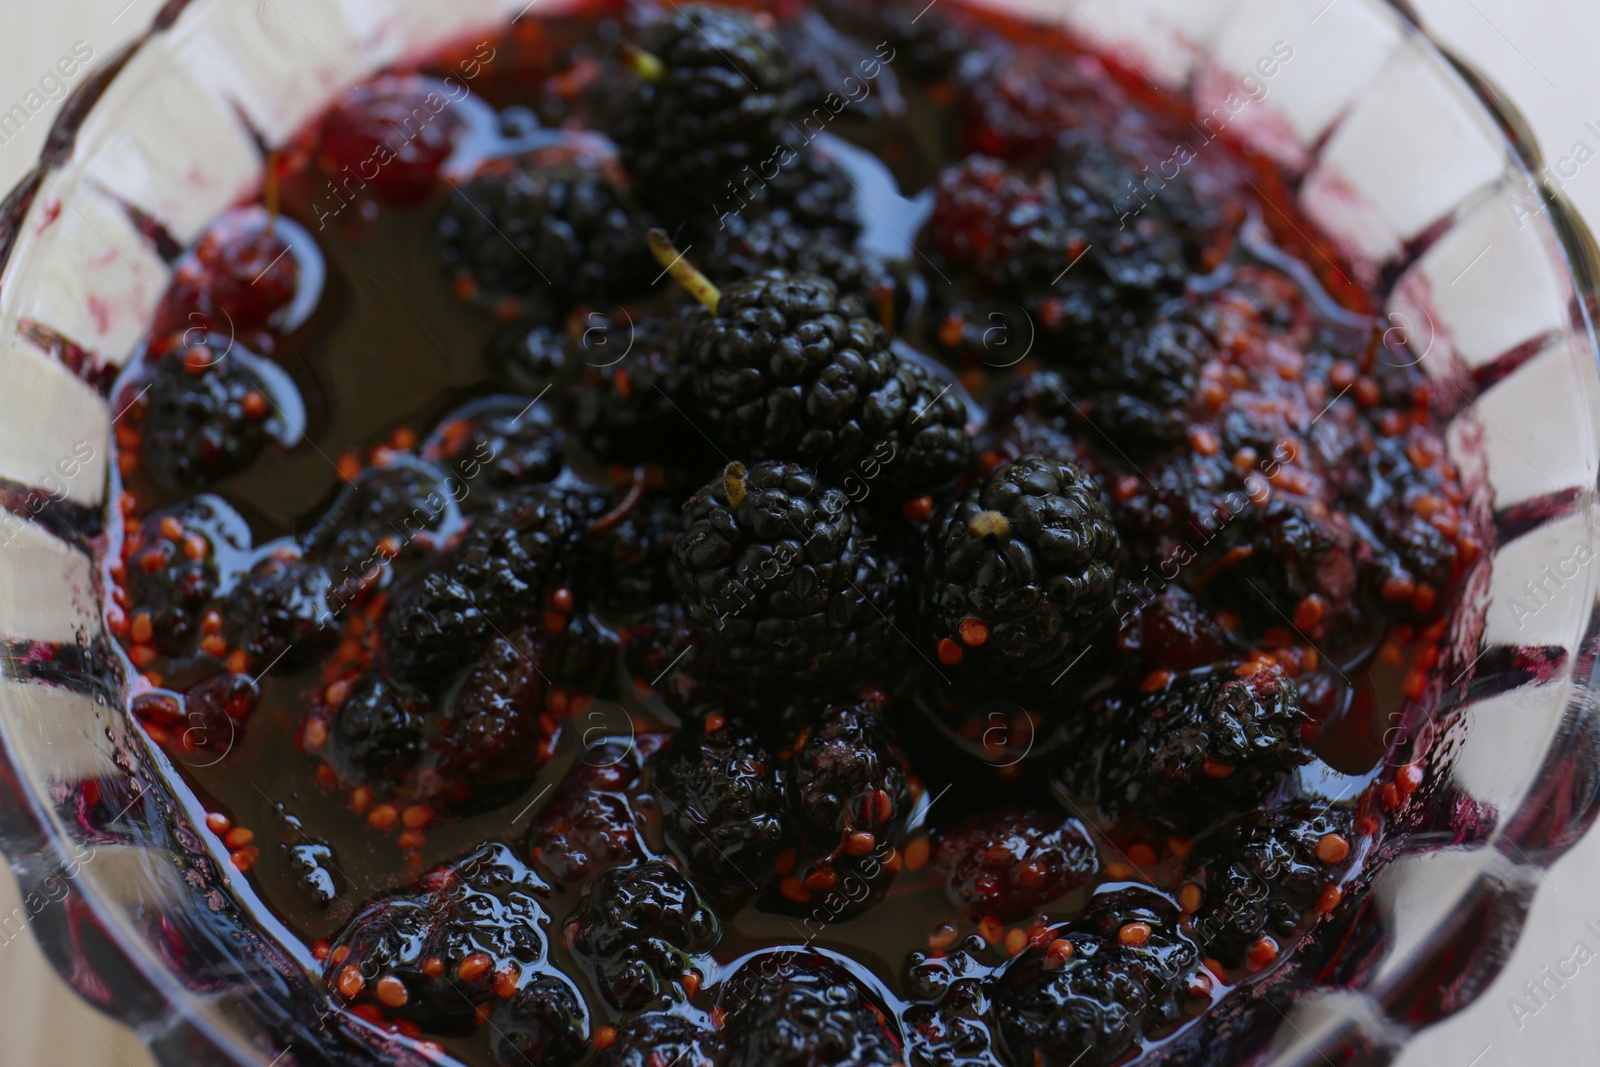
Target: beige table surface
<point x="1545" y="53"/>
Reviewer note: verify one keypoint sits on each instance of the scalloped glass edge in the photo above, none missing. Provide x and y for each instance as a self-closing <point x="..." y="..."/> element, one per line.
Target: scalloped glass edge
<point x="239" y="1004"/>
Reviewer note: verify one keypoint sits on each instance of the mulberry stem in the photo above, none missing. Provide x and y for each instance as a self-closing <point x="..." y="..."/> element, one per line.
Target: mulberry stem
<point x="989" y="524"/>
<point x="683" y="272"/>
<point x="642" y="63"/>
<point x="733" y="483"/>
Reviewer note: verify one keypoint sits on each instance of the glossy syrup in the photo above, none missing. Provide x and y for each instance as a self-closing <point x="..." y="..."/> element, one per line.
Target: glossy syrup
<point x="389" y="345"/>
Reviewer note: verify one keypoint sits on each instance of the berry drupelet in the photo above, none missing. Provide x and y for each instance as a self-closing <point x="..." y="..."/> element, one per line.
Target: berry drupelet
<point x="1102" y="984"/>
<point x="1210" y="739"/>
<point x="781" y="580"/>
<point x="724" y="801"/>
<point x="639" y="928"/>
<point x="545" y="236"/>
<point x="1011" y="862"/>
<point x="713" y="93"/>
<point x="1021" y="572"/>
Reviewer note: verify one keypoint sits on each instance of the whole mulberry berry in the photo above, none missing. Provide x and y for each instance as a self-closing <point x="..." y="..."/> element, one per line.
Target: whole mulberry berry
<point x="207" y="416"/>
<point x="656" y="1037"/>
<point x="531" y="357"/>
<point x="1021" y="573"/>
<point x="497" y="578"/>
<point x="808" y="192"/>
<point x="799" y="1008"/>
<point x="714" y="93"/>
<point x="788" y="368"/>
<point x="1171" y="631"/>
<point x="1139" y="390"/>
<point x="279" y="615"/>
<point x="748" y="246"/>
<point x="950" y="1028"/>
<point x="498" y="730"/>
<point x="432" y="952"/>
<point x="547" y="236"/>
<point x="640" y="927"/>
<point x="725" y="804"/>
<point x="1406" y="506"/>
<point x="241" y="276"/>
<point x="803" y="220"/>
<point x="590" y="824"/>
<point x="170" y="582"/>
<point x="631" y="397"/>
<point x="1012" y="862"/>
<point x="1088" y="258"/>
<point x="1036" y="411"/>
<point x="378" y="731"/>
<point x="849" y="779"/>
<point x="1207" y="739"/>
<point x="376" y="127"/>
<point x="628" y="566"/>
<point x="1103" y="983"/>
<point x="386" y="513"/>
<point x="497" y="445"/>
<point x="544" y="1022"/>
<point x="780" y="579"/>
<point x="1005" y="227"/>
<point x="1263" y="871"/>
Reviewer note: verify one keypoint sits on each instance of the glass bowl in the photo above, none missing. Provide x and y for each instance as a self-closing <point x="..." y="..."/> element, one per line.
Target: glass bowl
<point x="1418" y="167"/>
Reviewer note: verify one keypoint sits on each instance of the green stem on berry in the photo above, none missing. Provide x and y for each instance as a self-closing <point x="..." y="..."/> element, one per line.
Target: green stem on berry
<point x="642" y="63"/>
<point x="989" y="524"/>
<point x="733" y="482"/>
<point x="683" y="272"/>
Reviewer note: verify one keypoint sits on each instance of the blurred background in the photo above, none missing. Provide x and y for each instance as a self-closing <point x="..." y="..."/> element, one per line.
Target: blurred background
<point x="1540" y="51"/>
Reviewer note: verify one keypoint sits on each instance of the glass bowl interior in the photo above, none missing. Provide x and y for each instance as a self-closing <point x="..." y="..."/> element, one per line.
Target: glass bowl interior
<point x="1418" y="168"/>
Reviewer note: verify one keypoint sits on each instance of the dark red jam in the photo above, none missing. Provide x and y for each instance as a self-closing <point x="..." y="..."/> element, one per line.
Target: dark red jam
<point x="839" y="534"/>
